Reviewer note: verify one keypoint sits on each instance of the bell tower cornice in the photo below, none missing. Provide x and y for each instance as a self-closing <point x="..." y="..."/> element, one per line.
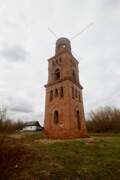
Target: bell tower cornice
<point x="63" y="52"/>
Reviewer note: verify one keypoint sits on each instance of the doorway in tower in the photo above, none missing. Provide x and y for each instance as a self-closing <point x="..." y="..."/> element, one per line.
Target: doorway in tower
<point x="78" y="119"/>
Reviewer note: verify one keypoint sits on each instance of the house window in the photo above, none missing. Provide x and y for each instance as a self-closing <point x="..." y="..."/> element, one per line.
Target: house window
<point x="61" y="92"/>
<point x="56" y="117"/>
<point x="56" y="92"/>
<point x="51" y="95"/>
<point x="78" y="119"/>
<point x="57" y="74"/>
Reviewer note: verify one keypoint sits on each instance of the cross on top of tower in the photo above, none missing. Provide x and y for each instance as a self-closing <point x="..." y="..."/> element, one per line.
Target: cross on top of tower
<point x="63" y="44"/>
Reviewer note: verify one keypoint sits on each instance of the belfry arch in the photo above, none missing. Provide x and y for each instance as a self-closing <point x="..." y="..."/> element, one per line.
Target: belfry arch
<point x="57" y="74"/>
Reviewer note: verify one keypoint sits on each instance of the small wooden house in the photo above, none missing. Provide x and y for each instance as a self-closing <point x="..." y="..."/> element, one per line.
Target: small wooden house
<point x="32" y="126"/>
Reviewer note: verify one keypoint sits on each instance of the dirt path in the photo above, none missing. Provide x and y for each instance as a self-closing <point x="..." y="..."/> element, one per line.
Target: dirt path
<point x="85" y="140"/>
<point x="20" y="135"/>
<point x="90" y="140"/>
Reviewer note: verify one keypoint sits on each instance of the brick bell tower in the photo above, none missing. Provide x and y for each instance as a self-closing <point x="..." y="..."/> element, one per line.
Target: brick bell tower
<point x="64" y="111"/>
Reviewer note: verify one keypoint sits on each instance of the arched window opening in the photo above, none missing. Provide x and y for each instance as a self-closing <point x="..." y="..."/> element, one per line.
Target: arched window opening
<point x="60" y="59"/>
<point x="73" y="76"/>
<point x="63" y="46"/>
<point x="58" y="47"/>
<point x="51" y="95"/>
<point x="56" y="92"/>
<point x="76" y="93"/>
<point x="56" y="117"/>
<point x="78" y="119"/>
<point x="72" y="92"/>
<point x="61" y="92"/>
<point x="79" y="97"/>
<point x="57" y="74"/>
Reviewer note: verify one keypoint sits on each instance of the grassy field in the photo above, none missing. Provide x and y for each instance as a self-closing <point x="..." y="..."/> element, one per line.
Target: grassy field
<point x="32" y="156"/>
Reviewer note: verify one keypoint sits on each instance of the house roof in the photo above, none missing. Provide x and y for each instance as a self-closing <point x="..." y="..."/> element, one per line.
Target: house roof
<point x="32" y="123"/>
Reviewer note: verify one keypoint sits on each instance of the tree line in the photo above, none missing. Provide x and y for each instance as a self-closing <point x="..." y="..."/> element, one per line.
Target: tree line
<point x="6" y="124"/>
<point x="105" y="119"/>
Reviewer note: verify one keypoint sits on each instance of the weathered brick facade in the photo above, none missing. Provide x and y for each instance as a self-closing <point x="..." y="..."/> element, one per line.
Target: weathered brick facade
<point x="64" y="111"/>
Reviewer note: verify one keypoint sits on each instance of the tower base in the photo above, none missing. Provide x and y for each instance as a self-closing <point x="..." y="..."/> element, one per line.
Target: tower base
<point x="66" y="134"/>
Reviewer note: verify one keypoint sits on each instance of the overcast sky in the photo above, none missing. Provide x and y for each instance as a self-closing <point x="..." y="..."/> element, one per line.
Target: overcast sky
<point x="26" y="44"/>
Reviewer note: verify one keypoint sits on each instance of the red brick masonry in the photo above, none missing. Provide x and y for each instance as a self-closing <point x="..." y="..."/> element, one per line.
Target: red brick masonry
<point x="64" y="111"/>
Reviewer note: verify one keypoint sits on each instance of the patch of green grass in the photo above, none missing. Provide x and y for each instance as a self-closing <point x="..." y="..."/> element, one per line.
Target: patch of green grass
<point x="107" y="134"/>
<point x="86" y="159"/>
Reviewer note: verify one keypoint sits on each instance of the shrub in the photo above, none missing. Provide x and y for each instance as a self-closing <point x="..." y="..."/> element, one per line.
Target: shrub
<point x="105" y="119"/>
<point x="9" y="126"/>
<point x="12" y="156"/>
<point x="6" y="124"/>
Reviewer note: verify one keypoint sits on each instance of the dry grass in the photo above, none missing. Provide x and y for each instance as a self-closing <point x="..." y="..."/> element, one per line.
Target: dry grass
<point x="11" y="154"/>
<point x="28" y="156"/>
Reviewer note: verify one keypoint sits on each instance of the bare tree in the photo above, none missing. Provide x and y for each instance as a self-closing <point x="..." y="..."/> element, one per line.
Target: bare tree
<point x="3" y="113"/>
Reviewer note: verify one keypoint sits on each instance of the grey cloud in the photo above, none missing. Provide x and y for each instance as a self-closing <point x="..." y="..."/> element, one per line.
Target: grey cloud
<point x="21" y="108"/>
<point x="13" y="52"/>
<point x="19" y="105"/>
<point x="38" y="117"/>
<point x="98" y="47"/>
<point x="110" y="3"/>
